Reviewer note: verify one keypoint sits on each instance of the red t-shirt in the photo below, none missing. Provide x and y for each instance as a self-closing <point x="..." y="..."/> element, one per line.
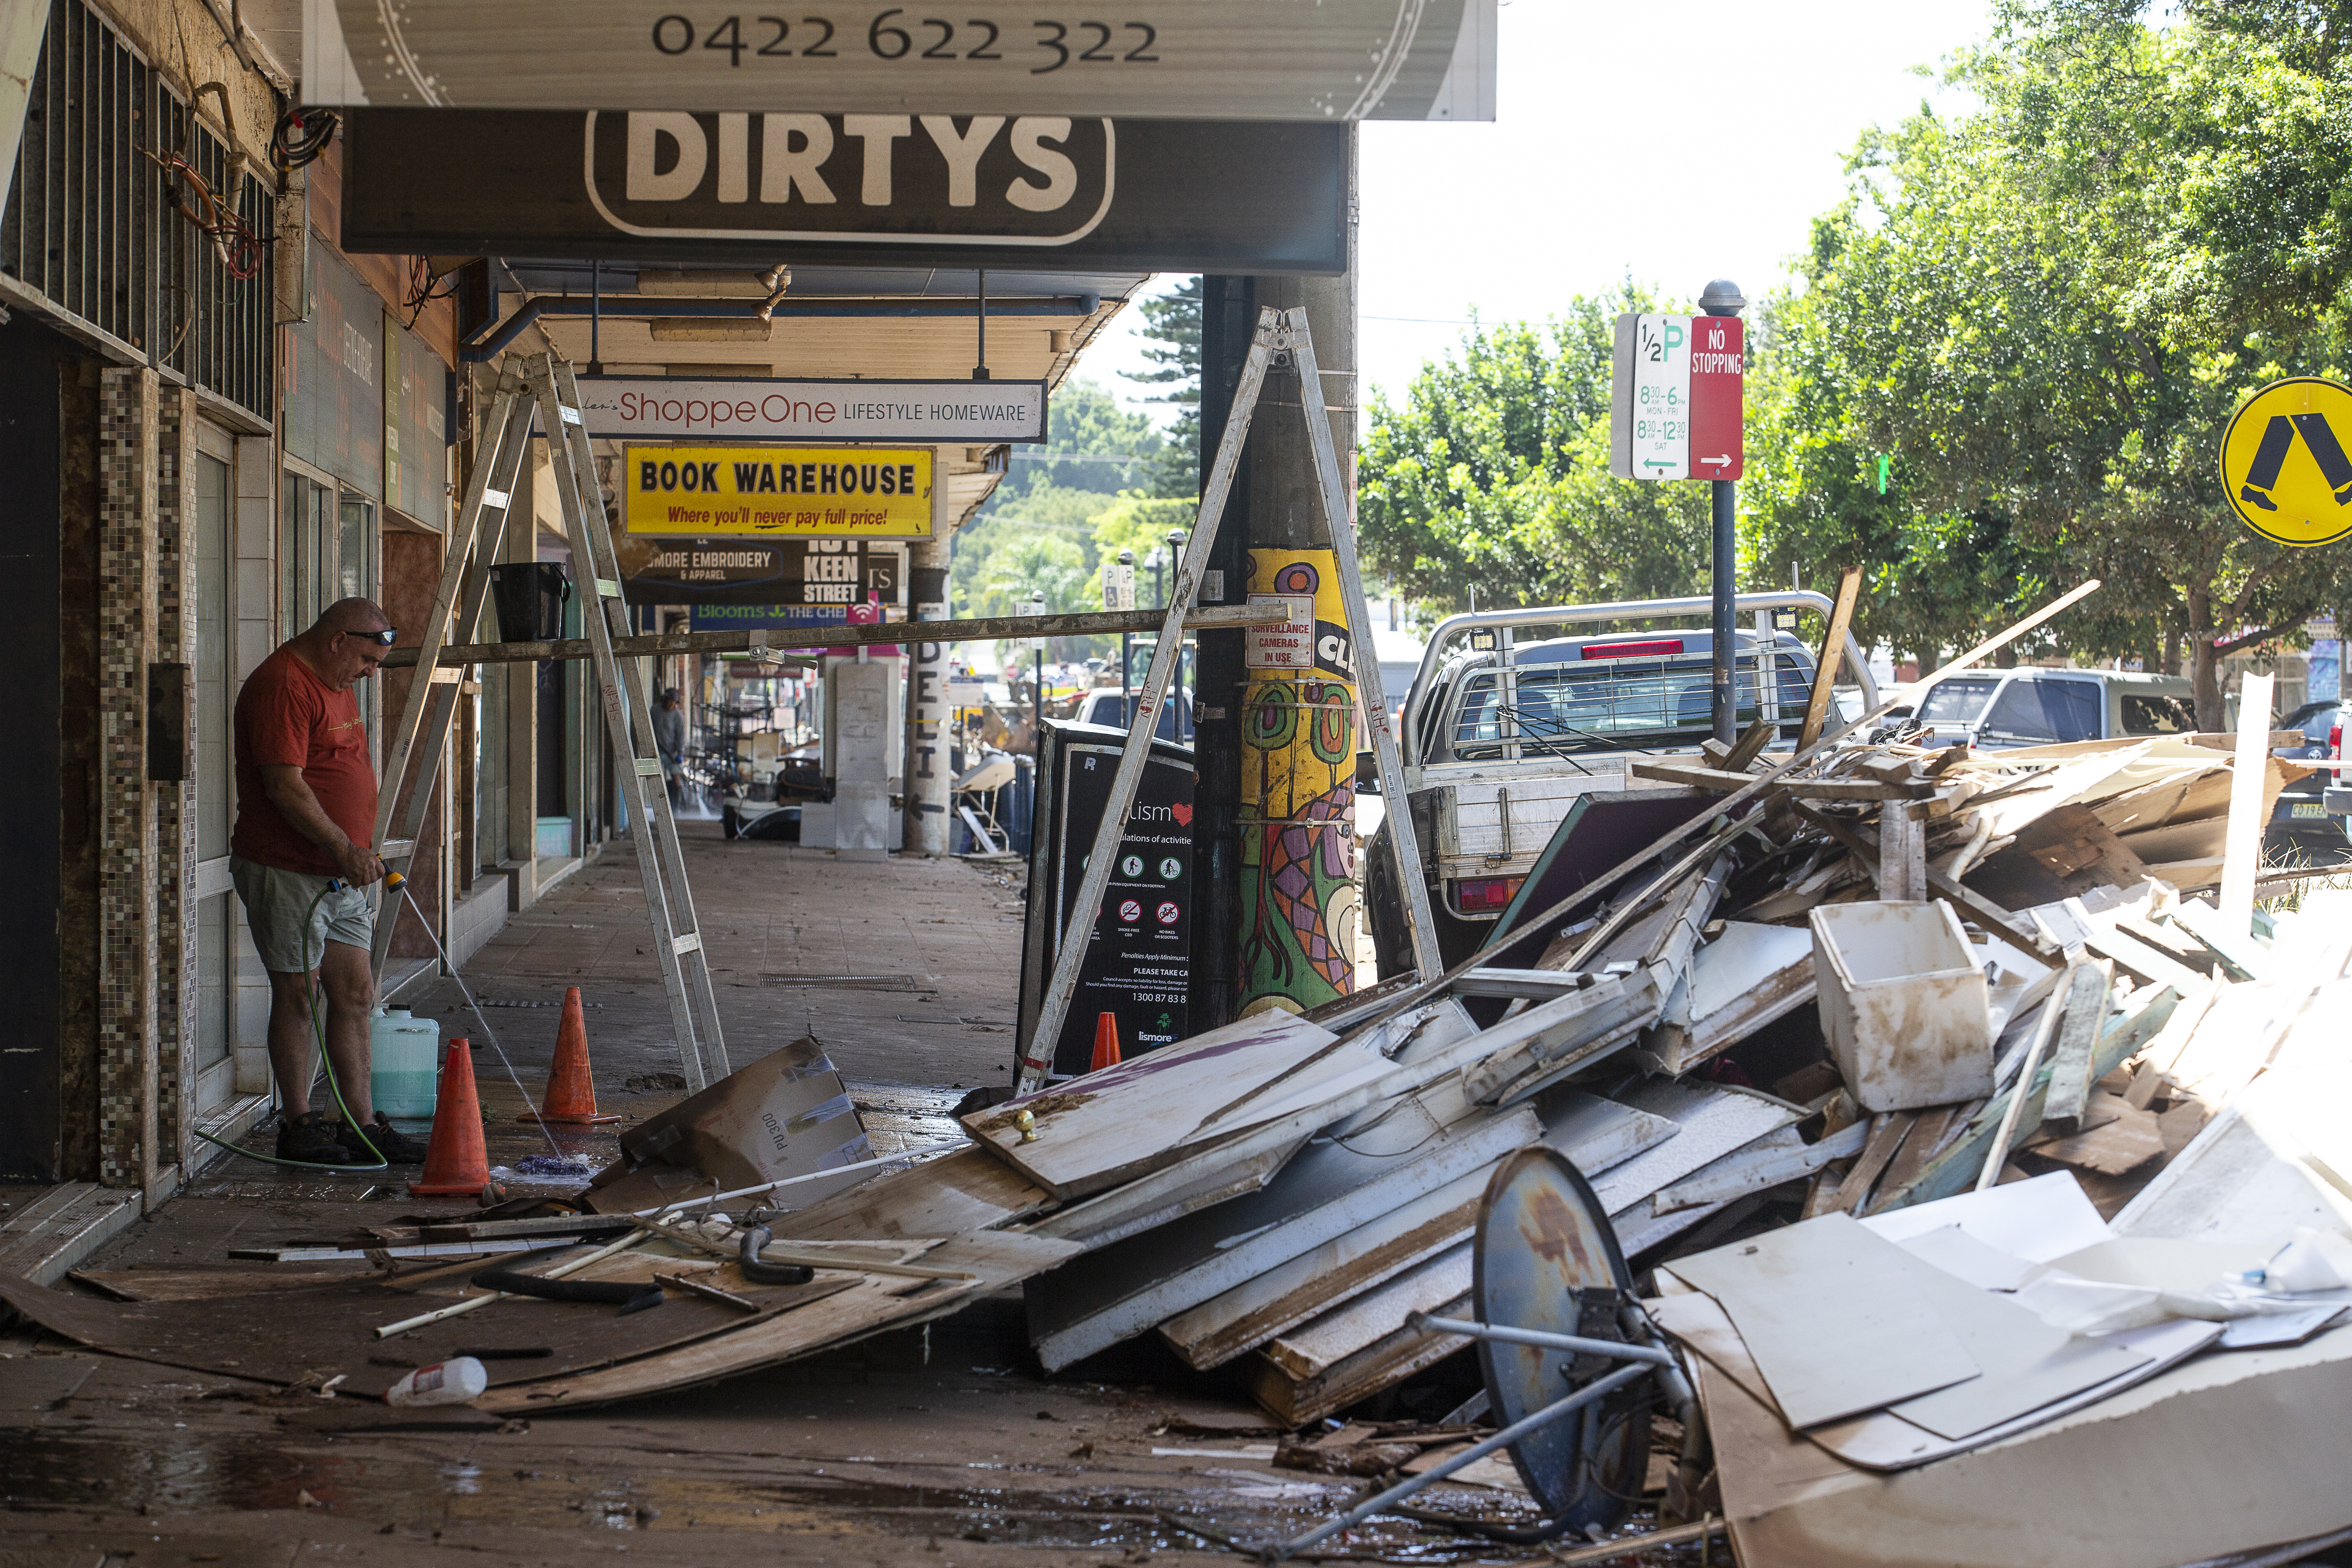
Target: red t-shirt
<point x="288" y="717"/>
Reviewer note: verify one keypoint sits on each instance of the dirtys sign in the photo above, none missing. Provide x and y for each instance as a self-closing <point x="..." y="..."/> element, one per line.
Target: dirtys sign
<point x="840" y="491"/>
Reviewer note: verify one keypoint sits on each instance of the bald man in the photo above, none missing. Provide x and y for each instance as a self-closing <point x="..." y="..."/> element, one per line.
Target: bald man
<point x="306" y="799"/>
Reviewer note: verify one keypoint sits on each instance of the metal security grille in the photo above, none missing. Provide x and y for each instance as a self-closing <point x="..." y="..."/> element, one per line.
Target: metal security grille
<point x="90" y="226"/>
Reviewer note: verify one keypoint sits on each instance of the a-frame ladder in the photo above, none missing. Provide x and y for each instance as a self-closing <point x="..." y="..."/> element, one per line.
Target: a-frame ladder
<point x="1281" y="338"/>
<point x="542" y="389"/>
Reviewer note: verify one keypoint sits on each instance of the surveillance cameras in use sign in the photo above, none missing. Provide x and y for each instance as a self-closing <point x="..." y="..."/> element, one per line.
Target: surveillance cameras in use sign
<point x="1677" y="400"/>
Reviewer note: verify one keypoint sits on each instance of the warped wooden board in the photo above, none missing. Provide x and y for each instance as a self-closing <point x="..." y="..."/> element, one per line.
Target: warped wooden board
<point x="967" y="1190"/>
<point x="869" y="1306"/>
<point x="1106" y="1127"/>
<point x="279" y="1336"/>
<point x="1595" y="1134"/>
<point x="202" y="1284"/>
<point x="2062" y="854"/>
<point x="1385" y="1363"/>
<point x="1281" y="1299"/>
<point x="1330" y="1190"/>
<point x="1322" y="1343"/>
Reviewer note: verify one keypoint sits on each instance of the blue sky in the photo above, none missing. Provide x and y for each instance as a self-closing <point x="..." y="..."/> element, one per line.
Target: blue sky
<point x="1621" y="150"/>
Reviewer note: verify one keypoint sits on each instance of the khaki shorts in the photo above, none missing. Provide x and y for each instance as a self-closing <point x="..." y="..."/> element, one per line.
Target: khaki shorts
<point x="276" y="903"/>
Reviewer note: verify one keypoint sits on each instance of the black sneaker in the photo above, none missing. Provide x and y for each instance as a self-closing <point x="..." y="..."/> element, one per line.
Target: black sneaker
<point x="311" y="1139"/>
<point x="397" y="1147"/>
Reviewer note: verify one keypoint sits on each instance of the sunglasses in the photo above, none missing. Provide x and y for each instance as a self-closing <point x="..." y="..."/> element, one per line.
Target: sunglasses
<point x="384" y="637"/>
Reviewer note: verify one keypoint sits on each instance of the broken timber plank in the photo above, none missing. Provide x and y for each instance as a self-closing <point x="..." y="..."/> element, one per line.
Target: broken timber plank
<point x="994" y="628"/>
<point x="1833" y="652"/>
<point x="1816" y="789"/>
<point x="2078" y="1034"/>
<point x="1955" y="1169"/>
<point x="1887" y="1135"/>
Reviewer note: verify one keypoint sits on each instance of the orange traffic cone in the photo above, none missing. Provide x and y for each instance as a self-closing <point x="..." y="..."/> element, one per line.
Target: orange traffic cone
<point x="571" y="1094"/>
<point x="456" y="1164"/>
<point x="1106" y="1042"/>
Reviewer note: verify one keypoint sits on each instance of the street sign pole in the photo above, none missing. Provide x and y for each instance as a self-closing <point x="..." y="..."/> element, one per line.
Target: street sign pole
<point x="1722" y="301"/>
<point x="1726" y="612"/>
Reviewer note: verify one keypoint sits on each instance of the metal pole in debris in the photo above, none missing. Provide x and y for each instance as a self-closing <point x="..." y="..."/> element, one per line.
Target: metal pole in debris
<point x="1597" y="1389"/>
<point x="1723" y="298"/>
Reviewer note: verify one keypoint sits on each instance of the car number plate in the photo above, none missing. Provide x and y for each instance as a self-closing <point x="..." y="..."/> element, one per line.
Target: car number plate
<point x="2309" y="809"/>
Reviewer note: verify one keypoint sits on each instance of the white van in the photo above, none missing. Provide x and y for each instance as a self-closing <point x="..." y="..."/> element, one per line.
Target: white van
<point x="1992" y="709"/>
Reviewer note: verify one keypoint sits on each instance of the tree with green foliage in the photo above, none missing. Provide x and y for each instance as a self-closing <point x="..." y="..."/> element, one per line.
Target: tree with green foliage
<point x="1038" y="528"/>
<point x="1172" y="323"/>
<point x="1494" y="474"/>
<point x="2044" y="314"/>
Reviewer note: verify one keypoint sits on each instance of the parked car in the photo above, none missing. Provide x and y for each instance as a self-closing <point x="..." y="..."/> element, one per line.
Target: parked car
<point x="1993" y="710"/>
<point x="2301" y="827"/>
<point x="1499" y="739"/>
<point x="1107" y="706"/>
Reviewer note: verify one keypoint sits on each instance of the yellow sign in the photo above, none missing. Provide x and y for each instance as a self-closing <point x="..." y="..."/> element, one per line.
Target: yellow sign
<point x="864" y="492"/>
<point x="2283" y="461"/>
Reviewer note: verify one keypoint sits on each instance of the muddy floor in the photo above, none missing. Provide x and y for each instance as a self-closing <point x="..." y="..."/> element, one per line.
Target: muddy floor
<point x="933" y="1448"/>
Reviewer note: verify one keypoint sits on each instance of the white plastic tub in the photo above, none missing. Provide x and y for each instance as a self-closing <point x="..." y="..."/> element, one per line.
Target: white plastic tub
<point x="403" y="1063"/>
<point x="1903" y="1003"/>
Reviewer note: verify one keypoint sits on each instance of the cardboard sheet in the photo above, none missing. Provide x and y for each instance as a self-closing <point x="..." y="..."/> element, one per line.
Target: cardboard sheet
<point x="1834" y="1317"/>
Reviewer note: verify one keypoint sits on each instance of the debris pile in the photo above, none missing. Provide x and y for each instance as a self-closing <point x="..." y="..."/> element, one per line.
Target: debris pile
<point x="1894" y="1077"/>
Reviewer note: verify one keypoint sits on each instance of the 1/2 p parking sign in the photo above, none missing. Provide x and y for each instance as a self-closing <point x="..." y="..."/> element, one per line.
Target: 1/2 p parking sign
<point x="1677" y="401"/>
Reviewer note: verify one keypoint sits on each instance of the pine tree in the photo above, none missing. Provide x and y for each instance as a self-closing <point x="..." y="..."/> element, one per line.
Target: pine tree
<point x="1174" y="325"/>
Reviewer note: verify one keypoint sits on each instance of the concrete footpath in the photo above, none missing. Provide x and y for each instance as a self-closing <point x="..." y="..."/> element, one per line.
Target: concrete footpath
<point x="939" y="1447"/>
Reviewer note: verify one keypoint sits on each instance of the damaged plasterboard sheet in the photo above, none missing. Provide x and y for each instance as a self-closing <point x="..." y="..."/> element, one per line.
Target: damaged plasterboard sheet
<point x="2037" y="1220"/>
<point x="1747" y="977"/>
<point x="2167" y="1471"/>
<point x="963" y="1190"/>
<point x="1595" y="1134"/>
<point x="787" y="1114"/>
<point x="1834" y="1319"/>
<point x="1094" y="1132"/>
<point x="1714" y="1119"/>
<point x="2276" y="1157"/>
<point x="1325" y="1191"/>
<point x="992" y="1260"/>
<point x="1882" y="1441"/>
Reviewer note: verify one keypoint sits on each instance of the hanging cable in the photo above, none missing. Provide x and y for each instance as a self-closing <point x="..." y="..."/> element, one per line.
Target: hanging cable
<point x="302" y="137"/>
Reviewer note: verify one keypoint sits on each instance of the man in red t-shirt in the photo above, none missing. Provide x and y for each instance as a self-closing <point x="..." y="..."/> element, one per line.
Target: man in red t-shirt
<point x="306" y="798"/>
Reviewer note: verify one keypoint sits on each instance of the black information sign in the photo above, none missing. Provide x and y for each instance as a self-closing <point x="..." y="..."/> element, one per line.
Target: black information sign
<point x="1039" y="196"/>
<point x="740" y="571"/>
<point x="1138" y="966"/>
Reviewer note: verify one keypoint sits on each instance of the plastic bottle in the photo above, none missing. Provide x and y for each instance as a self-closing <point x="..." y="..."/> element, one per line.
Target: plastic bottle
<point x="457" y="1381"/>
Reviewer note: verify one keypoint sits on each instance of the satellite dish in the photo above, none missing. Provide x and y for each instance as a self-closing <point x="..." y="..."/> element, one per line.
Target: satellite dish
<point x="1546" y="1258"/>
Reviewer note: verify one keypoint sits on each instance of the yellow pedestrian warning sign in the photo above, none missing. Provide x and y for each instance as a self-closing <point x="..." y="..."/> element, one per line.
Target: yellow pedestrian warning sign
<point x="2284" y="465"/>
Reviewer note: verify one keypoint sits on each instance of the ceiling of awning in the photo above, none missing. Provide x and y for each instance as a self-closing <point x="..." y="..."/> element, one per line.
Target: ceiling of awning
<point x="940" y="347"/>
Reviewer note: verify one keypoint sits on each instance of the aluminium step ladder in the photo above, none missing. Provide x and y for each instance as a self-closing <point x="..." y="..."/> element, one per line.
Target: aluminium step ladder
<point x="541" y="390"/>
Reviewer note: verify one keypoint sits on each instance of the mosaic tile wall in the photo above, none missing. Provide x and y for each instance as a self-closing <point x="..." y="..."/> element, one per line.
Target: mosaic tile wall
<point x="127" y="1067"/>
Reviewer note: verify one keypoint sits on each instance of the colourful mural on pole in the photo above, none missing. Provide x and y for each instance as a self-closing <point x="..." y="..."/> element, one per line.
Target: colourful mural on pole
<point x="1299" y="903"/>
